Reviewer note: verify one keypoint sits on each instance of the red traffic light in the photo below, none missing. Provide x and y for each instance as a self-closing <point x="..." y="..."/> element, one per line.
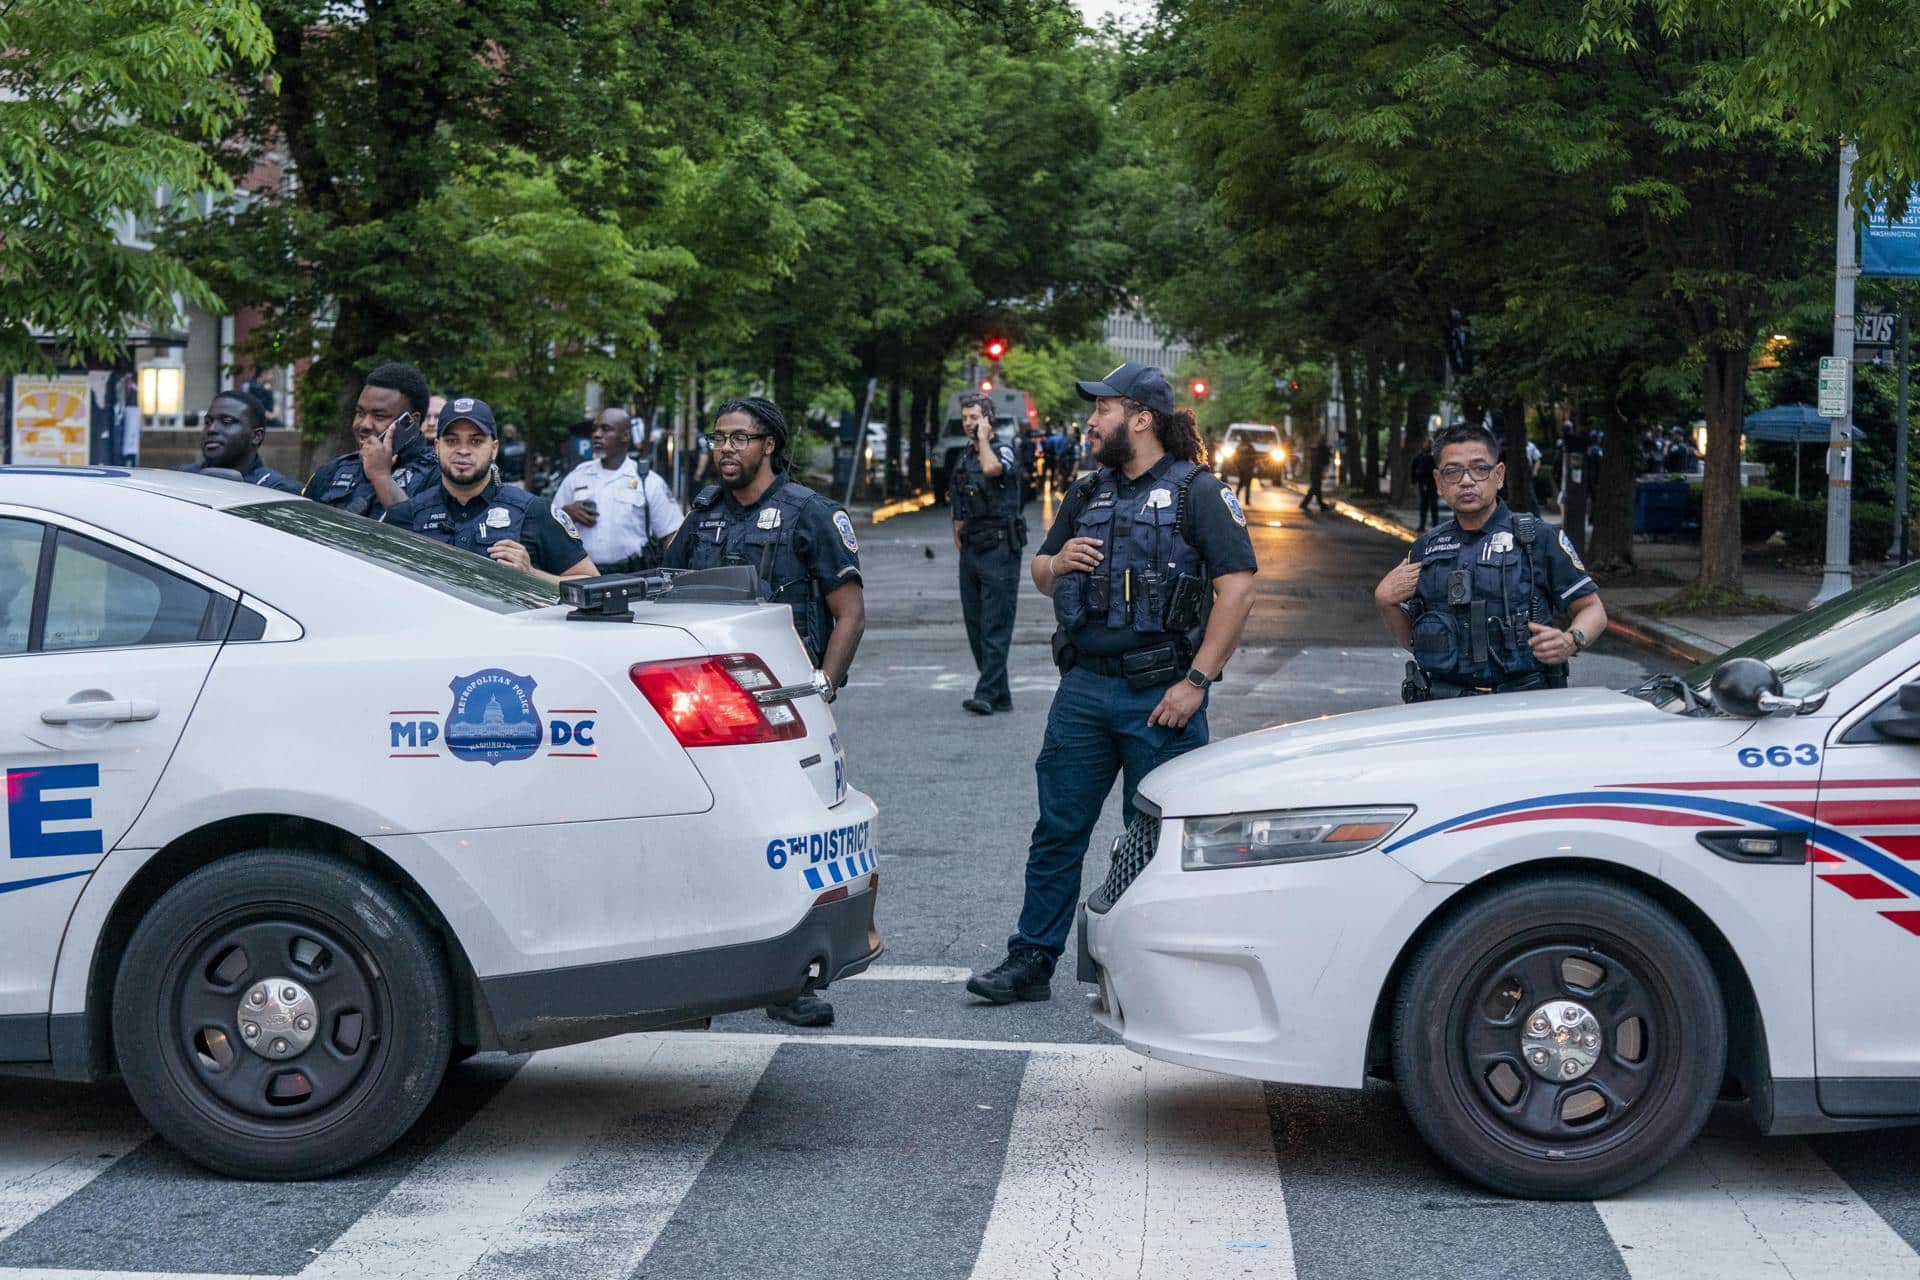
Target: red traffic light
<point x="1199" y="388"/>
<point x="995" y="348"/>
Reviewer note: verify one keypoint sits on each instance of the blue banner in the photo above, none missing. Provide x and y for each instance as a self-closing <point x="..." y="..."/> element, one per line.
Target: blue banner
<point x="1889" y="248"/>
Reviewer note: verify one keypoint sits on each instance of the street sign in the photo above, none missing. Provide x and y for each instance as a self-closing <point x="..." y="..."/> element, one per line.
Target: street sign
<point x="1873" y="327"/>
<point x="1833" y="387"/>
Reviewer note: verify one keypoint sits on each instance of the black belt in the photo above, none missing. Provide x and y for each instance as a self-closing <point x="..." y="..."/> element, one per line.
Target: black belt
<point x="1465" y="689"/>
<point x="630" y="564"/>
<point x="1114" y="665"/>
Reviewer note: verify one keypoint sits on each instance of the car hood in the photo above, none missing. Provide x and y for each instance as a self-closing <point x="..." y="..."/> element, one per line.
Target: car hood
<point x="1399" y="754"/>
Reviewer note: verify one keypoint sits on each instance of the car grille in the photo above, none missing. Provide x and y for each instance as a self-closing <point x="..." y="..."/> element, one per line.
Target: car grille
<point x="1131" y="854"/>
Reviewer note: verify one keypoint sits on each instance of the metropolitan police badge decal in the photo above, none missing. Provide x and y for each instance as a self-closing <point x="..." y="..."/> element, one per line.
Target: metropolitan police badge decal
<point x="844" y="524"/>
<point x="1566" y="545"/>
<point x="493" y="717"/>
<point x="1233" y="506"/>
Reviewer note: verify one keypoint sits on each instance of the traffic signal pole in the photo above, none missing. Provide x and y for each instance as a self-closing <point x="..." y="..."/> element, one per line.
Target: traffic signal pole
<point x="1836" y="402"/>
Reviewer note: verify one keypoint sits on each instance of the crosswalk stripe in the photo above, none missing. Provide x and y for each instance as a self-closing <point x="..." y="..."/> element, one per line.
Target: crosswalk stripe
<point x="530" y="1188"/>
<point x="912" y="973"/>
<point x="1120" y="1167"/>
<point x="57" y="1144"/>
<point x="1745" y="1207"/>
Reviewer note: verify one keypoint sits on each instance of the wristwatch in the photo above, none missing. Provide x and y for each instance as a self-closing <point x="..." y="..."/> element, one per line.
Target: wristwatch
<point x="1197" y="678"/>
<point x="1579" y="638"/>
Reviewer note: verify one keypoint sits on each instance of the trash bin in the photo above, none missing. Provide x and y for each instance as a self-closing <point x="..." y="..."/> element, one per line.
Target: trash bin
<point x="1659" y="506"/>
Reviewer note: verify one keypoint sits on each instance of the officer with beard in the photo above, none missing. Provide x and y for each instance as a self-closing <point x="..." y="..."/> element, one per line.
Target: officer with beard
<point x="392" y="459"/>
<point x="1136" y="554"/>
<point x="802" y="548"/>
<point x="472" y="511"/>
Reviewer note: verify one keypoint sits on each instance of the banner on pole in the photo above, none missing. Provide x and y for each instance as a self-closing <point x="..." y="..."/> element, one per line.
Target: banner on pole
<point x="1889" y="248"/>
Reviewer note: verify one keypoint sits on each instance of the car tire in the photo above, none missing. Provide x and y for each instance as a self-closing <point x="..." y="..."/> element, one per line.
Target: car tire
<point x="281" y="1014"/>
<point x="1515" y="1109"/>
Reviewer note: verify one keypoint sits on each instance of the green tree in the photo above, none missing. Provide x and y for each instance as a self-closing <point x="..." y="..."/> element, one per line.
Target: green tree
<point x="103" y="105"/>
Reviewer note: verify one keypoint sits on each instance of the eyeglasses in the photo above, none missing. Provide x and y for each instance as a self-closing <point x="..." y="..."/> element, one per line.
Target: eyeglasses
<point x="1455" y="473"/>
<point x="735" y="439"/>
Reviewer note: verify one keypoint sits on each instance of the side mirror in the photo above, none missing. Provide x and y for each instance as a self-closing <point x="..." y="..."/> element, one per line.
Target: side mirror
<point x="1901" y="720"/>
<point x="1740" y="683"/>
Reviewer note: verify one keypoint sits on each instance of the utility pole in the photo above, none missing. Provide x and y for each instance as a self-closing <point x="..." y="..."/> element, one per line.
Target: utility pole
<point x="1900" y="437"/>
<point x="1836" y="395"/>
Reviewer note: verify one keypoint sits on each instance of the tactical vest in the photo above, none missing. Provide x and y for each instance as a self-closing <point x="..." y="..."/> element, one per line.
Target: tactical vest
<point x="1144" y="543"/>
<point x="1481" y="597"/>
<point x="763" y="537"/>
<point x="977" y="497"/>
<point x="352" y="492"/>
<point x="503" y="518"/>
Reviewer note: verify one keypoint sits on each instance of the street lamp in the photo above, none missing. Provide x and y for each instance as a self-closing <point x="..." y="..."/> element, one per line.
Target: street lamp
<point x="160" y="388"/>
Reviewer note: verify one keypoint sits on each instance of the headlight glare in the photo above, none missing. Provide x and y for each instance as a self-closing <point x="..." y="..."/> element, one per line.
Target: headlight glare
<point x="1284" y="835"/>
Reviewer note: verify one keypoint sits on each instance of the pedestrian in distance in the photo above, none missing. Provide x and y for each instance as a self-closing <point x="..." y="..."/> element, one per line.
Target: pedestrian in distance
<point x="1136" y="555"/>
<point x="989" y="532"/>
<point x="513" y="455"/>
<point x="231" y="433"/>
<point x="391" y="460"/>
<point x="620" y="505"/>
<point x="430" y="425"/>
<point x="1245" y="463"/>
<point x="803" y="552"/>
<point x="1317" y="459"/>
<point x="1421" y="471"/>
<point x="468" y="509"/>
<point x="1476" y="598"/>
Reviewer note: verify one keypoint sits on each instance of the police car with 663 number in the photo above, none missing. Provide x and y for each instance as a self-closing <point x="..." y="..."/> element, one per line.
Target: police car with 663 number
<point x="301" y="807"/>
<point x="1563" y="921"/>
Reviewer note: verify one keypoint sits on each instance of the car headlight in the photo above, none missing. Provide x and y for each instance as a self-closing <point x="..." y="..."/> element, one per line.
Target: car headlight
<point x="1284" y="835"/>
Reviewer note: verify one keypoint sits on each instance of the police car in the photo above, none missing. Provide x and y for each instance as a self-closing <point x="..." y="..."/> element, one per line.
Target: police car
<point x="1562" y="921"/>
<point x="300" y="807"/>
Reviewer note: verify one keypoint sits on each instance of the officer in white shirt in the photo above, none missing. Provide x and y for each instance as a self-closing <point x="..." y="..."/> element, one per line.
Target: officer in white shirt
<point x="624" y="511"/>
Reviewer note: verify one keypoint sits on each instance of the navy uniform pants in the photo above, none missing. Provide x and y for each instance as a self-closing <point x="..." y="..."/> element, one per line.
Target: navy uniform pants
<point x="989" y="590"/>
<point x="1097" y="728"/>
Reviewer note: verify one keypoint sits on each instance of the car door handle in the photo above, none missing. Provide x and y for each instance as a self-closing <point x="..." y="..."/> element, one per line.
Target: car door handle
<point x="102" y="711"/>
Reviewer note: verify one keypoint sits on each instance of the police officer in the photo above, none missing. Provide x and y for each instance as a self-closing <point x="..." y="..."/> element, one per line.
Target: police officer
<point x="988" y="532"/>
<point x="800" y="545"/>
<point x="392" y="460"/>
<point x="231" y="432"/>
<point x="1475" y="598"/>
<point x="620" y="505"/>
<point x="1134" y="556"/>
<point x="467" y="508"/>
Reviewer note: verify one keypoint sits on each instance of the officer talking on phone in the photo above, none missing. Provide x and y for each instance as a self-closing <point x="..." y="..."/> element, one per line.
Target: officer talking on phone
<point x="391" y="460"/>
<point x="988" y="532"/>
<point x="1476" y="597"/>
<point x="1151" y="573"/>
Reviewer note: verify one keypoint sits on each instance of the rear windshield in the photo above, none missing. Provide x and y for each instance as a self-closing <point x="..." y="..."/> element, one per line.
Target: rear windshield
<point x="460" y="574"/>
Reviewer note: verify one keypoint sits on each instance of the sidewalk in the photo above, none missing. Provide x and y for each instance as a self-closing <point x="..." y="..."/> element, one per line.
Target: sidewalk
<point x="1662" y="568"/>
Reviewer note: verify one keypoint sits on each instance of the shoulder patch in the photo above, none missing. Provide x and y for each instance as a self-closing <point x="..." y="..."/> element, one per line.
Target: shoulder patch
<point x="1566" y="545"/>
<point x="566" y="522"/>
<point x="1006" y="456"/>
<point x="1233" y="506"/>
<point x="844" y="523"/>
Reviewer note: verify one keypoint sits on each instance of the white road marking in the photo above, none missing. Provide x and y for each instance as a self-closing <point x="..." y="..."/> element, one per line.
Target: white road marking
<point x="912" y="973"/>
<point x="1126" y="1167"/>
<point x="1751" y="1207"/>
<point x="613" y="1132"/>
<point x="56" y="1147"/>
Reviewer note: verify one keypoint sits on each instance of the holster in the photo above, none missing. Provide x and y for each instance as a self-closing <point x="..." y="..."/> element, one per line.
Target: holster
<point x="1065" y="653"/>
<point x="1151" y="668"/>
<point x="1416" y="687"/>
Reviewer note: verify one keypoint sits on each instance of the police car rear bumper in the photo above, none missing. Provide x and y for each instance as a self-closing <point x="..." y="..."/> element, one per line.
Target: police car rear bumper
<point x="541" y="1010"/>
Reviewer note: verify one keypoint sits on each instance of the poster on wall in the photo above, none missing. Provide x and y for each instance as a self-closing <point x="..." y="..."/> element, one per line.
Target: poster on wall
<point x="51" y="419"/>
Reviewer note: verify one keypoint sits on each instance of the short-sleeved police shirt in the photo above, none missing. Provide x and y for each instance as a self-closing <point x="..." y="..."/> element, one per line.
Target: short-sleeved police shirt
<point x="550" y="547"/>
<point x="1564" y="578"/>
<point x="823" y="537"/>
<point x="1217" y="529"/>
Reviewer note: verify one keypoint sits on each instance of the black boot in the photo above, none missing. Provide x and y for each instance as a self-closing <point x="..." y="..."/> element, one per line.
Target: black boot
<point x="1026" y="974"/>
<point x="807" y="1010"/>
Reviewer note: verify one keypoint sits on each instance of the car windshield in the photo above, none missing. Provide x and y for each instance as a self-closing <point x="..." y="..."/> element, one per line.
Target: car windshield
<point x="460" y="574"/>
<point x="1824" y="646"/>
<point x="1254" y="437"/>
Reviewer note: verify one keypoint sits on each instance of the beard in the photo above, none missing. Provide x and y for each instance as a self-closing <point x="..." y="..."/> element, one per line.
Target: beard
<point x="1115" y="451"/>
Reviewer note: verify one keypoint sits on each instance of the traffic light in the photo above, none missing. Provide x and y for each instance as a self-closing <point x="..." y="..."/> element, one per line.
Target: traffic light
<point x="1199" y="388"/>
<point x="995" y="348"/>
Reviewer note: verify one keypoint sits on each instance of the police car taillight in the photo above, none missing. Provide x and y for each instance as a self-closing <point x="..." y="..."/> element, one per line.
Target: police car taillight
<point x="710" y="702"/>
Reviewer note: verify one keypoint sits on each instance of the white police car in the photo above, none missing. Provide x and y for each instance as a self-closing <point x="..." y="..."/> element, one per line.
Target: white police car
<point x="1560" y="921"/>
<point x="299" y="807"/>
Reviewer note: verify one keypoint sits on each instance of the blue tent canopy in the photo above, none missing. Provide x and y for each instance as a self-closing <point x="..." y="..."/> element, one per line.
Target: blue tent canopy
<point x="1791" y="424"/>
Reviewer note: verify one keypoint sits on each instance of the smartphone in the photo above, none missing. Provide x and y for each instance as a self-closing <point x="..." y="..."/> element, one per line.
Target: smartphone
<point x="405" y="432"/>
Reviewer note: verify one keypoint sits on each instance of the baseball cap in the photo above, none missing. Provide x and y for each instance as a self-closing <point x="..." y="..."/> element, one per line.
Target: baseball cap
<point x="467" y="409"/>
<point x="1141" y="383"/>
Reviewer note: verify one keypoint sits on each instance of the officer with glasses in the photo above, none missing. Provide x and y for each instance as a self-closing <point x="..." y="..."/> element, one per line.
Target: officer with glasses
<point x="1477" y="598"/>
<point x="801" y="546"/>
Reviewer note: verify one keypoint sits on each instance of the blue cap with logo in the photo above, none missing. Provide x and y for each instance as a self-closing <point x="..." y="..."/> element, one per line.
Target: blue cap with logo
<point x="1141" y="383"/>
<point x="467" y="409"/>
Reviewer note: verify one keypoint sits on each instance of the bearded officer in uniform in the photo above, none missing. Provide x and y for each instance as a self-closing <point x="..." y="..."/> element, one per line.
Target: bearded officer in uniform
<point x="802" y="548"/>
<point x="470" y="510"/>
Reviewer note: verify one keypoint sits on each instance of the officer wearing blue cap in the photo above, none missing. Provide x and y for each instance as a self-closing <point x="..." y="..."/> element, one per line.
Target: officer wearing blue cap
<point x="1476" y="597"/>
<point x="1150" y="568"/>
<point x="471" y="510"/>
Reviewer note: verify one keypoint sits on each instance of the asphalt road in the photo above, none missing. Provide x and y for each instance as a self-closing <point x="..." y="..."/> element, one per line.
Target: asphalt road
<point x="926" y="1134"/>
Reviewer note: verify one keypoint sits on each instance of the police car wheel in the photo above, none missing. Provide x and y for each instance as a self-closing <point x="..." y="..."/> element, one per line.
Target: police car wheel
<point x="280" y="1014"/>
<point x="1562" y="1038"/>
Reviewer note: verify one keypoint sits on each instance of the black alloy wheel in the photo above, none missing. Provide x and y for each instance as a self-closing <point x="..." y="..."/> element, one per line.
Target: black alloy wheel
<point x="1561" y="1038"/>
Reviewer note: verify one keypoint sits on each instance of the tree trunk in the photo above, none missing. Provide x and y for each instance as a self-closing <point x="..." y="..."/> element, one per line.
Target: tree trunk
<point x="1513" y="449"/>
<point x="1370" y="422"/>
<point x="918" y="412"/>
<point x="784" y="378"/>
<point x="895" y="428"/>
<point x="1413" y="438"/>
<point x="1724" y="394"/>
<point x="1349" y="441"/>
<point x="1610" y="544"/>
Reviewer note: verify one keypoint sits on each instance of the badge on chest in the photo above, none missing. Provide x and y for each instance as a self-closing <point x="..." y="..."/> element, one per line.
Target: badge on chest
<point x="769" y="518"/>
